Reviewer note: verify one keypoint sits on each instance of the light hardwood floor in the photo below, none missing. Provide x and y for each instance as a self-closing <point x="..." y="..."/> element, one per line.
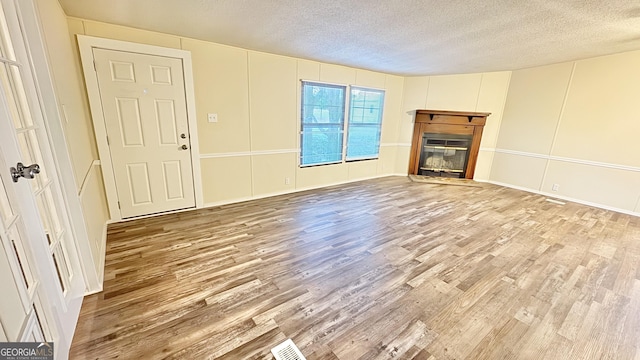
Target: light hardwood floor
<point x="378" y="269"/>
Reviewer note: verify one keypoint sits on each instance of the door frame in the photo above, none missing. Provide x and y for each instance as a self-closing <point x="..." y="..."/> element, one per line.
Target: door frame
<point x="86" y="45"/>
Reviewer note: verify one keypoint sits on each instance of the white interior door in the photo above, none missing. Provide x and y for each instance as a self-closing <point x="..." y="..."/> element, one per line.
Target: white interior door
<point x="144" y="106"/>
<point x="40" y="271"/>
<point x="22" y="314"/>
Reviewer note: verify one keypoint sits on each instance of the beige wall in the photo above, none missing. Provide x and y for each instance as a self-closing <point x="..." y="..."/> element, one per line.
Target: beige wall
<point x="69" y="86"/>
<point x="96" y="214"/>
<point x="484" y="92"/>
<point x="77" y="127"/>
<point x="252" y="151"/>
<point x="542" y="118"/>
<point x="575" y="125"/>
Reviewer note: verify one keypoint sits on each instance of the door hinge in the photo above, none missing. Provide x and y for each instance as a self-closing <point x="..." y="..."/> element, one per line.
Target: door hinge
<point x="118" y="204"/>
<point x="95" y="67"/>
<point x="108" y="141"/>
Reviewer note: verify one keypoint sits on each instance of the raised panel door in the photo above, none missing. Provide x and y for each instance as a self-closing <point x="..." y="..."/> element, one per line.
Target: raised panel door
<point x="144" y="107"/>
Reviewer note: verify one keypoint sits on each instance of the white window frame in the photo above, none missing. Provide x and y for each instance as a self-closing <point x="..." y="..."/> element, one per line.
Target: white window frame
<point x="347" y="132"/>
<point x="346" y="116"/>
<point x="344" y="121"/>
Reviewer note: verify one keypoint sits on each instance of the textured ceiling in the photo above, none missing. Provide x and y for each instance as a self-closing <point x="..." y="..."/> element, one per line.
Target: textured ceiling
<point x="406" y="37"/>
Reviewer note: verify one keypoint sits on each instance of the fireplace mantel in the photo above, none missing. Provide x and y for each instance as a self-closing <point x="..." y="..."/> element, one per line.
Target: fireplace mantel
<point x="446" y="122"/>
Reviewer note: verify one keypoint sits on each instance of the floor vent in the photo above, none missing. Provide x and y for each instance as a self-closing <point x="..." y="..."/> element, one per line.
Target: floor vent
<point x="287" y="351"/>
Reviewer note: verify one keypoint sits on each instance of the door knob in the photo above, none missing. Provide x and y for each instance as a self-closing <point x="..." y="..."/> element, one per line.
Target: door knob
<point x="184" y="147"/>
<point x="27" y="172"/>
<point x="183" y="136"/>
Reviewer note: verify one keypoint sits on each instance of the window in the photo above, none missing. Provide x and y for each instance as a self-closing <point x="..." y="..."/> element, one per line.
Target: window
<point x="323" y="124"/>
<point x="322" y="128"/>
<point x="365" y="121"/>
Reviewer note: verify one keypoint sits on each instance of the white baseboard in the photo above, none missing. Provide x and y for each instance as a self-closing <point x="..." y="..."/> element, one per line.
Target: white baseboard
<point x="95" y="291"/>
<point x="296" y="190"/>
<point x="566" y="198"/>
<point x="255" y="197"/>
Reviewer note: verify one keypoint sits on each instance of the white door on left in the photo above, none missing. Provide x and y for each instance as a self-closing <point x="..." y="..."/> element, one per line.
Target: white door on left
<point x="145" y="112"/>
<point x="42" y="283"/>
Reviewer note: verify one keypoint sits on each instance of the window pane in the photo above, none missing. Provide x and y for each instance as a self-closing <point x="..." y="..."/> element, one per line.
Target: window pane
<point x="322" y="123"/>
<point x="59" y="270"/>
<point x="36" y="151"/>
<point x="17" y="241"/>
<point x="54" y="214"/>
<point x="16" y="97"/>
<point x="365" y="121"/>
<point x="321" y="144"/>
<point x="6" y="48"/>
<point x="46" y="223"/>
<point x="363" y="141"/>
<point x="357" y="115"/>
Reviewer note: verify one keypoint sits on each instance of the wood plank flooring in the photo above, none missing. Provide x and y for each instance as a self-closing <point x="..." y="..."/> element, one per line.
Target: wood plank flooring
<point x="378" y="269"/>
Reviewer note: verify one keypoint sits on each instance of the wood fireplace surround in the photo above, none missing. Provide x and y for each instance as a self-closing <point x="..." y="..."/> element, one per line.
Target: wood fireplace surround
<point x="452" y="125"/>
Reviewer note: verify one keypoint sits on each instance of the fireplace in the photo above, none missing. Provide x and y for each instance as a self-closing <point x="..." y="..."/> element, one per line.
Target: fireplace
<point x="444" y="155"/>
<point x="446" y="143"/>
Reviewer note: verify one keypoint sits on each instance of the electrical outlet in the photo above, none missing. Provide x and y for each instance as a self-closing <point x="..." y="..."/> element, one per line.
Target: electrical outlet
<point x="213" y="118"/>
<point x="287" y="181"/>
<point x="555" y="187"/>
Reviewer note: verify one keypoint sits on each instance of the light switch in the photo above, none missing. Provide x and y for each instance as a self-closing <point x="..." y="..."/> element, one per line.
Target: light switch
<point x="213" y="118"/>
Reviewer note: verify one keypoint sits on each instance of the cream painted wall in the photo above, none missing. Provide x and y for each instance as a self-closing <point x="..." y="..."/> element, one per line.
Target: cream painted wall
<point x="69" y="90"/>
<point x="272" y="90"/>
<point x="221" y="83"/>
<point x="274" y="173"/>
<point x="578" y="119"/>
<point x="522" y="172"/>
<point x="77" y="126"/>
<point x="392" y="107"/>
<point x="227" y="178"/>
<point x="534" y="104"/>
<point x="615" y="188"/>
<point x="317" y="176"/>
<point x="602" y="109"/>
<point x="129" y="34"/>
<point x="414" y="97"/>
<point x="492" y="98"/>
<point x="454" y="92"/>
<point x="543" y="124"/>
<point x="94" y="206"/>
<point x="468" y="92"/>
<point x="252" y="151"/>
<point x="389" y="141"/>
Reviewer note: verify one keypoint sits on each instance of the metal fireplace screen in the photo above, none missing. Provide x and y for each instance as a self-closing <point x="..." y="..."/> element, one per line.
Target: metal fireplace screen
<point x="444" y="155"/>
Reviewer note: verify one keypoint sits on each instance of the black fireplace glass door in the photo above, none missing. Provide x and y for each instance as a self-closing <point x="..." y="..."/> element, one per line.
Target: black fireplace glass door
<point x="444" y="155"/>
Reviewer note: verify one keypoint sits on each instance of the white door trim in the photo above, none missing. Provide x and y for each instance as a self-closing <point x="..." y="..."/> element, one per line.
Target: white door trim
<point x="86" y="44"/>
